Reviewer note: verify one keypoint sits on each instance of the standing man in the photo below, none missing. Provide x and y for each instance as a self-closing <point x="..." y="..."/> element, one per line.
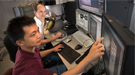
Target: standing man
<point x="40" y="14"/>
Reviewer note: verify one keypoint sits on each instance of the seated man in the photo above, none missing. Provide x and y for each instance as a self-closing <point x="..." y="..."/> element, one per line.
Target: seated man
<point x="25" y="33"/>
<point x="40" y="14"/>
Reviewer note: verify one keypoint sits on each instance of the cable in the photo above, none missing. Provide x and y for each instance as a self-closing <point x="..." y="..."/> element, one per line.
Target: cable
<point x="98" y="66"/>
<point x="101" y="67"/>
<point x="94" y="71"/>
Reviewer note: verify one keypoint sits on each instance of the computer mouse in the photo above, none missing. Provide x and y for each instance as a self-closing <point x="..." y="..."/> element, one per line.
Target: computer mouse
<point x="62" y="35"/>
<point x="78" y="47"/>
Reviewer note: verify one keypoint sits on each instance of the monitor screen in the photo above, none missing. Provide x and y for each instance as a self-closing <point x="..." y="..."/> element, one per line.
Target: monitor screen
<point x="95" y="27"/>
<point x="114" y="50"/>
<point x="82" y="19"/>
<point x="94" y="6"/>
<point x="118" y="52"/>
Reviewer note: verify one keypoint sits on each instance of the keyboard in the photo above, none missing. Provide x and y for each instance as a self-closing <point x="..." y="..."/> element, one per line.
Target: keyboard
<point x="83" y="56"/>
<point x="83" y="38"/>
<point x="68" y="53"/>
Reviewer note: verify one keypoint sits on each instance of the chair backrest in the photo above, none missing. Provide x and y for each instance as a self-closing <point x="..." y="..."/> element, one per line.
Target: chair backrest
<point x="9" y="71"/>
<point x="12" y="48"/>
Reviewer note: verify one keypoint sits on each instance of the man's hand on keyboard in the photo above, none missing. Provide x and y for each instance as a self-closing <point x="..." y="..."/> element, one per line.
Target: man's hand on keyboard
<point x="96" y="50"/>
<point x="58" y="48"/>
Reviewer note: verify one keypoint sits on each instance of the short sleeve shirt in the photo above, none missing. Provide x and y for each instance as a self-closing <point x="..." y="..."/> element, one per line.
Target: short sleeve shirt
<point x="28" y="63"/>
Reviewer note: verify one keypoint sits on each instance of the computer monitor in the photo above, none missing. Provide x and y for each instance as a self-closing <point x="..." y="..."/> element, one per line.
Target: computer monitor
<point x="69" y="12"/>
<point x="82" y="19"/>
<point x="94" y="6"/>
<point x="58" y="25"/>
<point x="119" y="47"/>
<point x="95" y="27"/>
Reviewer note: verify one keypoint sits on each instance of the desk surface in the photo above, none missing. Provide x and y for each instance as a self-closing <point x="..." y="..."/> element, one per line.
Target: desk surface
<point x="72" y="44"/>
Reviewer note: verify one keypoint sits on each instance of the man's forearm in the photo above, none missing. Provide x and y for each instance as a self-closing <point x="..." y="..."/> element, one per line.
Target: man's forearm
<point x="46" y="52"/>
<point x="47" y="40"/>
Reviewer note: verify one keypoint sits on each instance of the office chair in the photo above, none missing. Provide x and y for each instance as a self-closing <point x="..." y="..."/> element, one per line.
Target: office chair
<point x="9" y="71"/>
<point x="11" y="48"/>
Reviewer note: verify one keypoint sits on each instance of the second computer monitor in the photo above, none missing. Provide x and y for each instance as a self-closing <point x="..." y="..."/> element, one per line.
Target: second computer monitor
<point x="95" y="27"/>
<point x="82" y="19"/>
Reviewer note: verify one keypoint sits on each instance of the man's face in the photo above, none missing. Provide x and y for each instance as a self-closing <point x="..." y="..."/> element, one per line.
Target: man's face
<point x="41" y="12"/>
<point x="32" y="37"/>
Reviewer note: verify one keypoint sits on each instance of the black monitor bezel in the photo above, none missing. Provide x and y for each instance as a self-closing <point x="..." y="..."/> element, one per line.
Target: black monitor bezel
<point x="117" y="33"/>
<point x="123" y="45"/>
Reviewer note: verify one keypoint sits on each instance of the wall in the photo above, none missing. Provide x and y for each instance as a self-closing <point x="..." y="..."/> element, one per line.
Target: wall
<point x="132" y="25"/>
<point x="6" y="12"/>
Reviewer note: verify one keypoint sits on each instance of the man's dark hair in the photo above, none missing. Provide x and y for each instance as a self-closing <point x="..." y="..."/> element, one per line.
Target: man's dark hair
<point x="15" y="27"/>
<point x="35" y="7"/>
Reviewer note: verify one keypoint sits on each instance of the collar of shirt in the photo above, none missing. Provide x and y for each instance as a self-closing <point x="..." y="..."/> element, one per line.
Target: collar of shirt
<point x="38" y="21"/>
<point x="29" y="54"/>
